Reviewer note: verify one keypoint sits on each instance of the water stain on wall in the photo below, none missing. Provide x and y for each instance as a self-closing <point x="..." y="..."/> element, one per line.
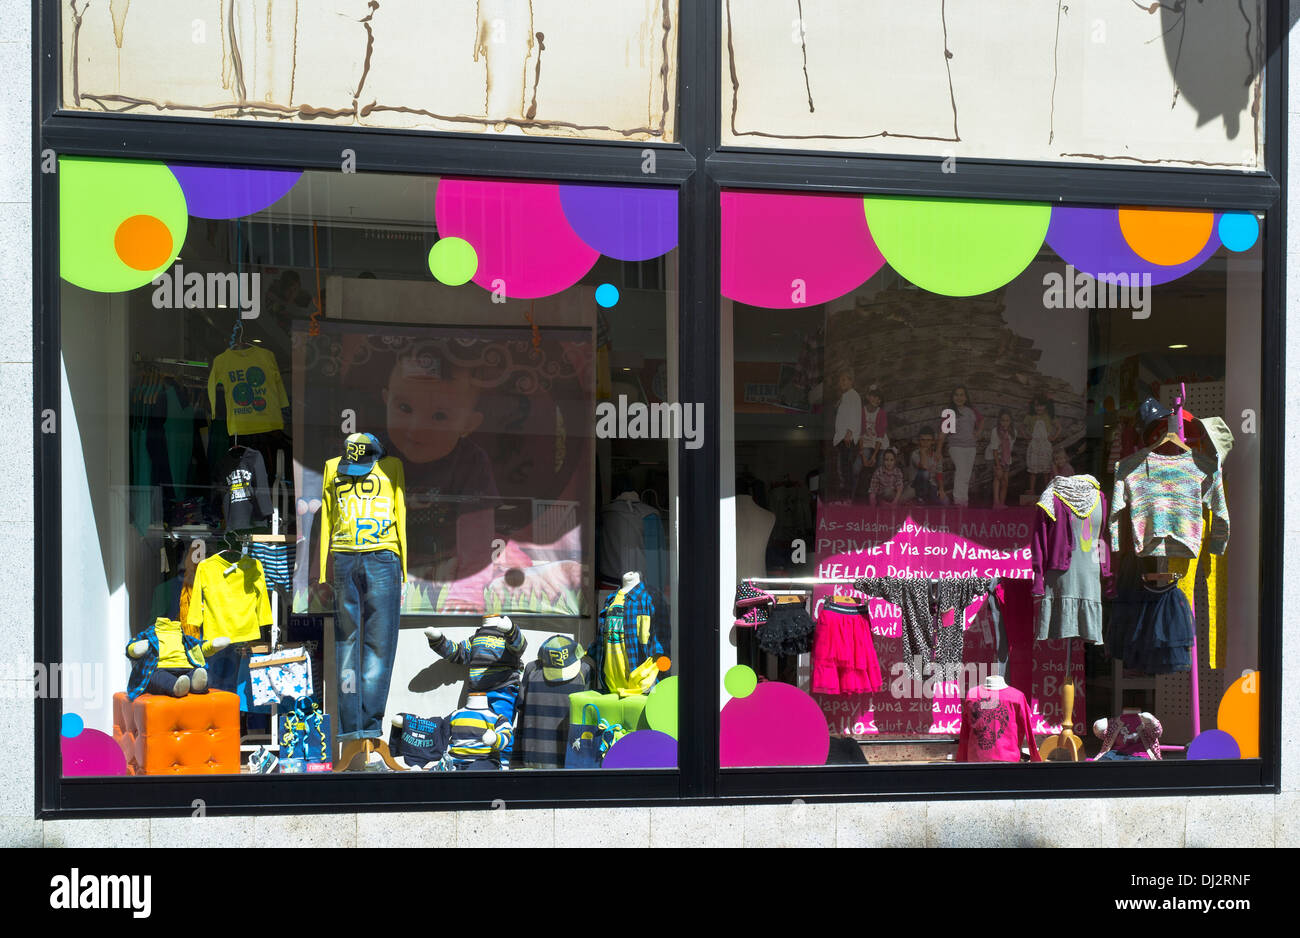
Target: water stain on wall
<point x="257" y="64"/>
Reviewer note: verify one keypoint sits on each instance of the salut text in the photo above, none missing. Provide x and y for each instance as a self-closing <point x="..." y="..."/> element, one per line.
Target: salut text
<point x="1077" y="290"/>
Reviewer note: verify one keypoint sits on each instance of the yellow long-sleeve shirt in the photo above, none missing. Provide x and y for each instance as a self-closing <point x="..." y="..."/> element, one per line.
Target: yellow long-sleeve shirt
<point x="235" y="605"/>
<point x="365" y="514"/>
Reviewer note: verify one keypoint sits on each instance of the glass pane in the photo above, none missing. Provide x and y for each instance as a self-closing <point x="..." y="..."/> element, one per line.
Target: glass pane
<point x="337" y="490"/>
<point x="968" y="522"/>
<point x="502" y="67"/>
<point x="1090" y="81"/>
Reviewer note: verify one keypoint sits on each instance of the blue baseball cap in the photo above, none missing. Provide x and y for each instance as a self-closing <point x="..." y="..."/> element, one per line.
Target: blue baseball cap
<point x="360" y="451"/>
<point x="561" y="658"/>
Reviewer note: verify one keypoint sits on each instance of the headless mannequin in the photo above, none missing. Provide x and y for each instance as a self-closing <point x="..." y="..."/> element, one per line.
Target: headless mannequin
<point x="631" y="579"/>
<point x="472" y="702"/>
<point x="753" y="530"/>
<point x="480" y="702"/>
<point x="197" y="681"/>
<point x="995" y="682"/>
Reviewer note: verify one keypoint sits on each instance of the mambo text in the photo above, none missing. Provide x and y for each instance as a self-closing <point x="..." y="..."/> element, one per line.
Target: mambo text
<point x="637" y="421"/>
<point x="175" y="289"/>
<point x="1077" y="290"/>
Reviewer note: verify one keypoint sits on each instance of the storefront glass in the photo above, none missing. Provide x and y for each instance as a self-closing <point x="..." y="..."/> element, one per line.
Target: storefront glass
<point x="968" y="518"/>
<point x="365" y="472"/>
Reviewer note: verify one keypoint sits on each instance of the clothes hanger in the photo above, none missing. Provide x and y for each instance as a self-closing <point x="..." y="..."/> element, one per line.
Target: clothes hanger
<point x="1172" y="439"/>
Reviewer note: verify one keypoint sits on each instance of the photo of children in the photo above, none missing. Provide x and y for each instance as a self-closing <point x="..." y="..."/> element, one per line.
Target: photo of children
<point x="887" y="481"/>
<point x="494" y="435"/>
<point x="1002" y="443"/>
<point x="1043" y="430"/>
<point x="927" y="471"/>
<point x="977" y="426"/>
<point x="848" y="429"/>
<point x="961" y="440"/>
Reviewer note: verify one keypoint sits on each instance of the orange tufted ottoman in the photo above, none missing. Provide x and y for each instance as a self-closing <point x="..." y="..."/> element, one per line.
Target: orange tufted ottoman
<point x="193" y="735"/>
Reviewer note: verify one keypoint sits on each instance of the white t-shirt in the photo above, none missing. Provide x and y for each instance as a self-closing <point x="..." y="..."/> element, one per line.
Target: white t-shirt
<point x="848" y="416"/>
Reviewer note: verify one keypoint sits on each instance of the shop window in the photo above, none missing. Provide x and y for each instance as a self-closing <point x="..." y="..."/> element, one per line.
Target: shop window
<point x="1170" y="84"/>
<point x="503" y="69"/>
<point x="994" y="492"/>
<point x="340" y="489"/>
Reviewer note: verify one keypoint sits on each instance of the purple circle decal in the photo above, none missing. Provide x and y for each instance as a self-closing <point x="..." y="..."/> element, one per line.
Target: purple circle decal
<point x="628" y="223"/>
<point x="1214" y="744"/>
<point x="232" y="192"/>
<point x="1089" y="238"/>
<point x="644" y="749"/>
<point x="91" y="752"/>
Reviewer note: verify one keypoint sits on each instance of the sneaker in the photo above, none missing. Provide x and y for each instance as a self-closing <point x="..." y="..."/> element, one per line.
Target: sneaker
<point x="262" y="761"/>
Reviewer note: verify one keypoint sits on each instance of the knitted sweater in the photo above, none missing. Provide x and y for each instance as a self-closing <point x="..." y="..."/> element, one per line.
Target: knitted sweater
<point x="1164" y="496"/>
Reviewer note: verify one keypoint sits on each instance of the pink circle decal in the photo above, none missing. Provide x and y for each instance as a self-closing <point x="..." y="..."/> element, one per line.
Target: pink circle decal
<point x="785" y="251"/>
<point x="778" y="724"/>
<point x="91" y="752"/>
<point x="525" y="246"/>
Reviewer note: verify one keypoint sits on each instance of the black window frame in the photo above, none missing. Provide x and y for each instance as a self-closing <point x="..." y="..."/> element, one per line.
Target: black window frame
<point x="699" y="167"/>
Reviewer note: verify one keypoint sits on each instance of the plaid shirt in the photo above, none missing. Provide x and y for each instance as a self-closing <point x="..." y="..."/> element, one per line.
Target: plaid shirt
<point x="142" y="668"/>
<point x="638" y="601"/>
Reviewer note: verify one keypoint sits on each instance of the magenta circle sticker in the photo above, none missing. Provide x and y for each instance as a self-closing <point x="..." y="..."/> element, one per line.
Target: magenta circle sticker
<point x="91" y="752"/>
<point x="776" y="724"/>
<point x="526" y="247"/>
<point x="783" y="251"/>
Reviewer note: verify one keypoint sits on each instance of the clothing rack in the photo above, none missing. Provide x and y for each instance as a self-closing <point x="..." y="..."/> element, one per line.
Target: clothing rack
<point x="796" y="582"/>
<point x="799" y="580"/>
<point x="1177" y="425"/>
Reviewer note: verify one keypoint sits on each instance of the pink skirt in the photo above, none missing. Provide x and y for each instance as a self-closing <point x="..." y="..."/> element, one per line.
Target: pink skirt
<point x="844" y="657"/>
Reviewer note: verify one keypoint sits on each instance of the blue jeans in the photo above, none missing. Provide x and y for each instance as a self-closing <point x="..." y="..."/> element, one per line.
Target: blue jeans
<point x="228" y="671"/>
<point x="367" y="607"/>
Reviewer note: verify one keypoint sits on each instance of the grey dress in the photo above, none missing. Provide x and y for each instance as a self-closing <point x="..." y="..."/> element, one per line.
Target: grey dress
<point x="1071" y="603"/>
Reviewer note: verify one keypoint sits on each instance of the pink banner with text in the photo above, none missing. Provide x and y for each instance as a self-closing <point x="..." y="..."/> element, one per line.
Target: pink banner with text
<point x="936" y="542"/>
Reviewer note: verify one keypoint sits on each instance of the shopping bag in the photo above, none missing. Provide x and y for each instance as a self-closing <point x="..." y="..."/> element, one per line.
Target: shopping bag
<point x="305" y="733"/>
<point x="590" y="740"/>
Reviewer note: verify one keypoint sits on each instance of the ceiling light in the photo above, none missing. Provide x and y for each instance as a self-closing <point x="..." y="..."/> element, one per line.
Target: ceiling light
<point x="1178" y="345"/>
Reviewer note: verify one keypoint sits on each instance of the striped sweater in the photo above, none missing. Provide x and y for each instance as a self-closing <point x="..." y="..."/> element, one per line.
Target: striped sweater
<point x="1165" y="496"/>
<point x="463" y="736"/>
<point x="492" y="654"/>
<point x="542" y="716"/>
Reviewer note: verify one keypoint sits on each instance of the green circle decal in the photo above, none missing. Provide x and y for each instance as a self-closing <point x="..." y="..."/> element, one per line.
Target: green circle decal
<point x="661" y="707"/>
<point x="740" y="681"/>
<point x="453" y="261"/>
<point x="115" y="215"/>
<point x="957" y="247"/>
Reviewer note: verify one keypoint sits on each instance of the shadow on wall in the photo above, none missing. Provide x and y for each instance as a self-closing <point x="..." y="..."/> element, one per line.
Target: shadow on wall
<point x="1194" y="33"/>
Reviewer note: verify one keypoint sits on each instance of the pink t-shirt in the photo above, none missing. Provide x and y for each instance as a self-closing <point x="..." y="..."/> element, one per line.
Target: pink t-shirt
<point x="993" y="725"/>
